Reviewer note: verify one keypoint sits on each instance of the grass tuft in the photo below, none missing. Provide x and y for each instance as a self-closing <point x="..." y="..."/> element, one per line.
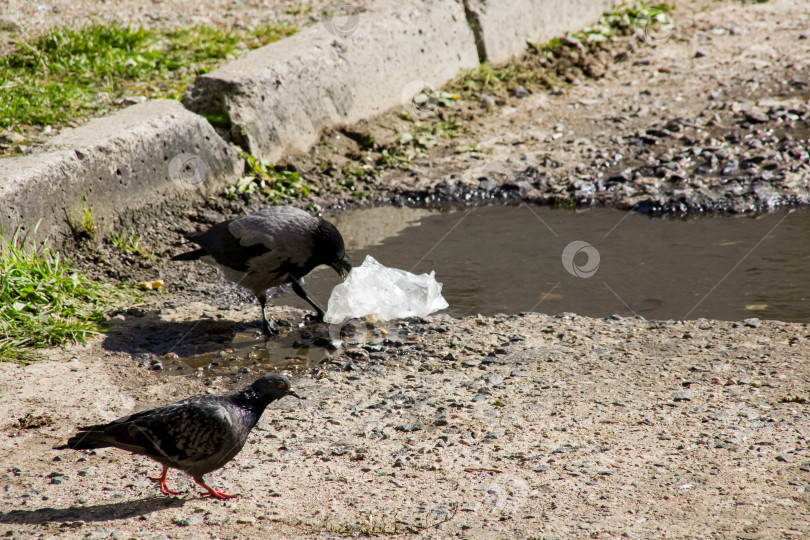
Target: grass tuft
<point x="275" y="183"/>
<point x="128" y="242"/>
<point x="83" y="226"/>
<point x="67" y="74"/>
<point x="43" y="301"/>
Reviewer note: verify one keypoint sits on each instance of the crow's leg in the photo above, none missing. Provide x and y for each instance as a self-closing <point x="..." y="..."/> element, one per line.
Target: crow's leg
<point x="164" y="489"/>
<point x="299" y="290"/>
<point x="211" y="492"/>
<point x="267" y="325"/>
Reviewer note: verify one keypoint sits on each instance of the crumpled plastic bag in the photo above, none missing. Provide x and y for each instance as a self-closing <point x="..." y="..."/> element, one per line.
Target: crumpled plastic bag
<point x="385" y="293"/>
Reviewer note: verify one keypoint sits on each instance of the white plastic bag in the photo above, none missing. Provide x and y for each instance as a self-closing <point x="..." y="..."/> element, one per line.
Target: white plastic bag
<point x="386" y="293"/>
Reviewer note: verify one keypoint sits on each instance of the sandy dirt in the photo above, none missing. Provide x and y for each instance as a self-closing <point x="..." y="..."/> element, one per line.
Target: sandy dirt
<point x="513" y="426"/>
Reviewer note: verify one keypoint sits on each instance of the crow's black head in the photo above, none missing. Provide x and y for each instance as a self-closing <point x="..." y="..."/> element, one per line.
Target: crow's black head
<point x="330" y="249"/>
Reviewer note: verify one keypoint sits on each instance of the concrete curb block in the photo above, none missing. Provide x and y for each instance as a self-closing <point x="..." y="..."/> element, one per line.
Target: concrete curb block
<point x="139" y="156"/>
<point x="279" y="98"/>
<point x="503" y="27"/>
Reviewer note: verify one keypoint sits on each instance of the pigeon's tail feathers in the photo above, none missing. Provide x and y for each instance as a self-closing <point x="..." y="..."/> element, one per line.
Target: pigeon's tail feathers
<point x="88" y="438"/>
<point x="190" y="255"/>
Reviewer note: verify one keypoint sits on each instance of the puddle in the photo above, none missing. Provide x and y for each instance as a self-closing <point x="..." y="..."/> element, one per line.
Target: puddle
<point x="511" y="259"/>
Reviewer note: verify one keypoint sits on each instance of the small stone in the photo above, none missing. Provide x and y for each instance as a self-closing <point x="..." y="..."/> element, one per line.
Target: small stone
<point x="249" y="520"/>
<point x="470" y="362"/>
<point x="700" y="53"/>
<point x="408" y="428"/>
<point x="190" y="520"/>
<point x="805" y="466"/>
<point x="752" y="322"/>
<point x="520" y="92"/>
<point x="756" y="117"/>
<point x="682" y="396"/>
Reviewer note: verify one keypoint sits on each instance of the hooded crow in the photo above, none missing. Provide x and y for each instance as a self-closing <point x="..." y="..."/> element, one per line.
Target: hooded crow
<point x="276" y="245"/>
<point x="197" y="435"/>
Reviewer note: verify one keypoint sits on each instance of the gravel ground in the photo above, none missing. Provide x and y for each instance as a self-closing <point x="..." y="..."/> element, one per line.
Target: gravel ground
<point x="511" y="426"/>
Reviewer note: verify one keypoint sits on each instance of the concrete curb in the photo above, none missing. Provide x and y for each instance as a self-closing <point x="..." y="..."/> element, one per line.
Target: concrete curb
<point x="278" y="98"/>
<point x="503" y="27"/>
<point x="139" y="156"/>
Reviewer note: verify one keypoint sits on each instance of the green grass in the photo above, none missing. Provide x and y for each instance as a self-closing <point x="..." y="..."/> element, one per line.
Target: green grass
<point x="44" y="302"/>
<point x="275" y="184"/>
<point x="67" y="74"/>
<point x="532" y="70"/>
<point x="83" y="226"/>
<point x="128" y="242"/>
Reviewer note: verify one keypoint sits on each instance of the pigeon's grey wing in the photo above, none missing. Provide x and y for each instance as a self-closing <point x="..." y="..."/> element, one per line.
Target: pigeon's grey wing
<point x="227" y="249"/>
<point x="286" y="232"/>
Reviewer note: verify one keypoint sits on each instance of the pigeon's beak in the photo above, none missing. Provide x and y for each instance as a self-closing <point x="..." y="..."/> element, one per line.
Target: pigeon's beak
<point x="293" y="394"/>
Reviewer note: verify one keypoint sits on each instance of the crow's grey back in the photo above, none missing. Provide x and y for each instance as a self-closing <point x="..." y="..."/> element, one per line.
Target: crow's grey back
<point x="286" y="231"/>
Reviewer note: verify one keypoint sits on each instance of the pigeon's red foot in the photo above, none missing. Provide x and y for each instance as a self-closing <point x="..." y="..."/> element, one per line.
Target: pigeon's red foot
<point x="164" y="489"/>
<point x="213" y="493"/>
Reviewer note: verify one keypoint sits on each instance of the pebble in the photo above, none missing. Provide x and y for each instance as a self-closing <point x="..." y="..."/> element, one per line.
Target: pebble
<point x="520" y="92"/>
<point x="407" y="428"/>
<point x="193" y="519"/>
<point x="682" y="396"/>
<point x="756" y="117"/>
<point x="752" y="323"/>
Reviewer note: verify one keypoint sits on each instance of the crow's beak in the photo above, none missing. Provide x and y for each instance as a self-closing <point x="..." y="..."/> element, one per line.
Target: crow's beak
<point x="293" y="394"/>
<point x="343" y="266"/>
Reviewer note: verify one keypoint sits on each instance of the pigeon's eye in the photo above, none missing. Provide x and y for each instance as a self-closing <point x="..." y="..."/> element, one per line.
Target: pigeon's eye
<point x="281" y="386"/>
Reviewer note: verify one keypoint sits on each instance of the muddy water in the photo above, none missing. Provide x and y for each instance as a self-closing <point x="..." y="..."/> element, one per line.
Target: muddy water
<point x="514" y="259"/>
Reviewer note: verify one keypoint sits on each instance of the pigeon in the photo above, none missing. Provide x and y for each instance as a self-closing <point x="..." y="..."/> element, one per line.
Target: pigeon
<point x="196" y="435"/>
<point x="276" y="245"/>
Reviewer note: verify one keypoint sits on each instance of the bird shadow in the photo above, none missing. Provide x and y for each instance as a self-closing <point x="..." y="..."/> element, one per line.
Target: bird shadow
<point x="141" y="331"/>
<point x="99" y="512"/>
